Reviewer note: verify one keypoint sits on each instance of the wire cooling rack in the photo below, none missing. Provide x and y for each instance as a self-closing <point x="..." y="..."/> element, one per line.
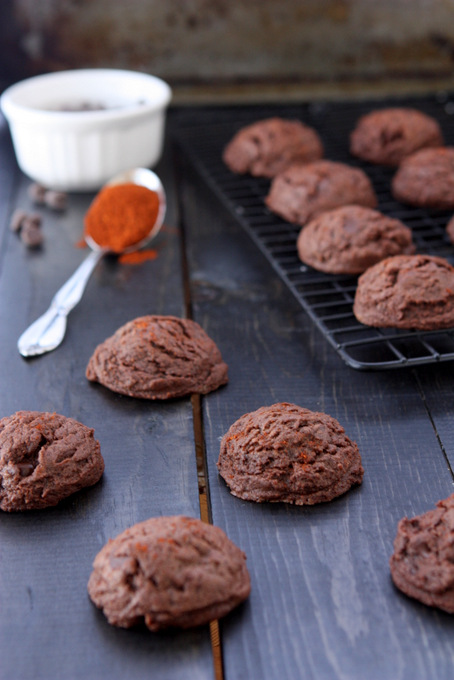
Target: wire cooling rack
<point x="327" y="299"/>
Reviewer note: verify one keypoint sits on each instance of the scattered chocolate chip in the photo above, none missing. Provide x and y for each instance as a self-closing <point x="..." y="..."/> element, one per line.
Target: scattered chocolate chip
<point x="36" y="193"/>
<point x="31" y="234"/>
<point x="17" y="219"/>
<point x="56" y="200"/>
<point x="32" y="219"/>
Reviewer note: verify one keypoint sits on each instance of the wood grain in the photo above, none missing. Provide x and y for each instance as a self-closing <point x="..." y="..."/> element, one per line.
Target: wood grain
<point x="49" y="629"/>
<point x="322" y="603"/>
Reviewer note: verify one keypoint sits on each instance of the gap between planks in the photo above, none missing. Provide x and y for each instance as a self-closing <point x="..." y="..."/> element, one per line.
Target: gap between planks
<point x="199" y="442"/>
<point x="426" y="406"/>
<point x="205" y="515"/>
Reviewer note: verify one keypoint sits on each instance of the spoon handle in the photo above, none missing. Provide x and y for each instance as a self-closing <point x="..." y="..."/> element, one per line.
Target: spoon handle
<point x="47" y="332"/>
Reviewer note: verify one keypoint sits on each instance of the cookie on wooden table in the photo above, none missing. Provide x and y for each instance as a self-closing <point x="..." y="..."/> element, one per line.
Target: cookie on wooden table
<point x="158" y="357"/>
<point x="44" y="458"/>
<point x="422" y="565"/>
<point x="426" y="179"/>
<point x="407" y="291"/>
<point x="349" y="239"/>
<point x="387" y="136"/>
<point x="169" y="572"/>
<point x="268" y="146"/>
<point x="301" y="192"/>
<point x="286" y="453"/>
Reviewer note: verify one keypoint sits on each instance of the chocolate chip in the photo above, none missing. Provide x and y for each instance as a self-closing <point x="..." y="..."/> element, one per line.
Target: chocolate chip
<point x="36" y="193"/>
<point x="31" y="234"/>
<point x="32" y="219"/>
<point x="25" y="469"/>
<point x="56" y="200"/>
<point x="82" y="106"/>
<point x="17" y="219"/>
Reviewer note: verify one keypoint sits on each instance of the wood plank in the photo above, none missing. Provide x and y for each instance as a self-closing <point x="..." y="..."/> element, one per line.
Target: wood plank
<point x="322" y="602"/>
<point x="438" y="394"/>
<point x="49" y="629"/>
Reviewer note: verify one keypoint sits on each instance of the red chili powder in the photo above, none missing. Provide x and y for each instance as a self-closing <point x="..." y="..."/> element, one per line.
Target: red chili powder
<point x="138" y="256"/>
<point x="121" y="216"/>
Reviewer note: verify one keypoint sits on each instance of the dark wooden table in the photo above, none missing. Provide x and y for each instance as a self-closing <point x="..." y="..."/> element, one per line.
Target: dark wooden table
<point x="322" y="605"/>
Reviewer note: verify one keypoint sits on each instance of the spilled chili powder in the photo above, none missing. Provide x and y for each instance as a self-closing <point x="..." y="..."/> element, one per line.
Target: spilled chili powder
<point x="121" y="216"/>
<point x="138" y="256"/>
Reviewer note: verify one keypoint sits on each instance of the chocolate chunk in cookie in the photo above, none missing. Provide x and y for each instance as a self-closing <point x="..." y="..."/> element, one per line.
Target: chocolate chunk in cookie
<point x="158" y="357"/>
<point x="301" y="192"/>
<point x="349" y="239"/>
<point x="268" y="146"/>
<point x="422" y="565"/>
<point x="286" y="453"/>
<point x="407" y="291"/>
<point x="169" y="572"/>
<point x="45" y="457"/>
<point x="426" y="179"/>
<point x="389" y="135"/>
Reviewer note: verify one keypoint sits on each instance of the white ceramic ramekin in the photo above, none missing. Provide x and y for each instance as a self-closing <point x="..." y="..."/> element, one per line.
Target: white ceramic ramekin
<point x="78" y="150"/>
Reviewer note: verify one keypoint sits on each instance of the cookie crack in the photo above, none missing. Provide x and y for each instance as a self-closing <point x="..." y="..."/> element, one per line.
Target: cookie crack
<point x="29" y="460"/>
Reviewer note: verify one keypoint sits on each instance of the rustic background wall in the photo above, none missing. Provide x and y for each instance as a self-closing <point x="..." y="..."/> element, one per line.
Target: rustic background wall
<point x="237" y="48"/>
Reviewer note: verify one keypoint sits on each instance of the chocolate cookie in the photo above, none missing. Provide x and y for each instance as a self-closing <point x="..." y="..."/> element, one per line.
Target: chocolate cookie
<point x="426" y="179"/>
<point x="169" y="572"/>
<point x="268" y="146"/>
<point x="389" y="135"/>
<point x="158" y="357"/>
<point x="407" y="291"/>
<point x="301" y="192"/>
<point x="349" y="239"/>
<point x="45" y="457"/>
<point x="285" y="453"/>
<point x="422" y="565"/>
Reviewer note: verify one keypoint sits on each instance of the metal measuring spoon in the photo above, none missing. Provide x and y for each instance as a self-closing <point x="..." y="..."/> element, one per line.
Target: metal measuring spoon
<point x="47" y="332"/>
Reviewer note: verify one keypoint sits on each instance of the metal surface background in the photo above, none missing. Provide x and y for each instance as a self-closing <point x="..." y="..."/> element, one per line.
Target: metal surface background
<point x="242" y="47"/>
